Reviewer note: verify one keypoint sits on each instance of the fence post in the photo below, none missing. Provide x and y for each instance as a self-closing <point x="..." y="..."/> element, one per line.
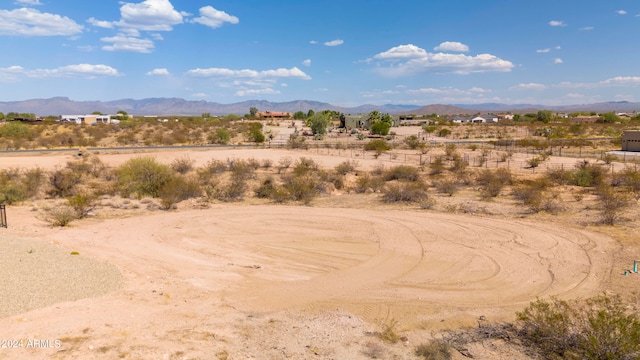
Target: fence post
<point x="3" y="216"/>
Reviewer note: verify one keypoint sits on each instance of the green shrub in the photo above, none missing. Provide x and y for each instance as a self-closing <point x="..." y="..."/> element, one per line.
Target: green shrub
<point x="220" y="136"/>
<point x="405" y="192"/>
<point x="11" y="193"/>
<point x="143" y="176"/>
<point x="345" y="167"/>
<point x="177" y="189"/>
<point x="587" y="174"/>
<point x="377" y="145"/>
<point x="597" y="328"/>
<point x="82" y="204"/>
<point x="402" y="172"/>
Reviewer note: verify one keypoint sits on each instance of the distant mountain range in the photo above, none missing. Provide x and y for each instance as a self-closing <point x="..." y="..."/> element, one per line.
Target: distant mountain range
<point x="176" y="106"/>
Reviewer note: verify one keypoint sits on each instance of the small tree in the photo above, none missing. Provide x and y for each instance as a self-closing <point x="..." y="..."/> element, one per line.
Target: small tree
<point x="318" y="123"/>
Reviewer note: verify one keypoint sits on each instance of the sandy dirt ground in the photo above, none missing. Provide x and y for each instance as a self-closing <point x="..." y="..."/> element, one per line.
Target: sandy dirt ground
<point x="242" y="281"/>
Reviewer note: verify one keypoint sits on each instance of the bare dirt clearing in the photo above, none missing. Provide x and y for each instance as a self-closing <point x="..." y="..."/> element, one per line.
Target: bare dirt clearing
<point x="275" y="281"/>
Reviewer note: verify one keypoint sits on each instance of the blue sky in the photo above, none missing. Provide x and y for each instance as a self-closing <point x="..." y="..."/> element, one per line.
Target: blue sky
<point x="550" y="52"/>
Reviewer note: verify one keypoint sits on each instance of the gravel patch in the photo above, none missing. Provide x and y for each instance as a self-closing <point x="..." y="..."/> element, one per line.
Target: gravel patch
<point x="34" y="274"/>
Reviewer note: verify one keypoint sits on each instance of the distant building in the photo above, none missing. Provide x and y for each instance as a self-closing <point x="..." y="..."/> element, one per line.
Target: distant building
<point x="274" y="115"/>
<point x="582" y="119"/>
<point x="359" y="121"/>
<point x="631" y="140"/>
<point x="86" y="119"/>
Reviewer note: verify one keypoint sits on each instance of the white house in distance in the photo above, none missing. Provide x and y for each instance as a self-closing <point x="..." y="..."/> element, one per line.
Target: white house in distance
<point x="88" y="119"/>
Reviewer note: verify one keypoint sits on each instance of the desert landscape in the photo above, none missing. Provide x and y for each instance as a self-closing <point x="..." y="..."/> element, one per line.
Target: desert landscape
<point x="327" y="280"/>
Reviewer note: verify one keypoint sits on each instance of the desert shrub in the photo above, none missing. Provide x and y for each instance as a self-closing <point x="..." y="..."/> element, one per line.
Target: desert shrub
<point x="266" y="189"/>
<point x="492" y="182"/>
<point x="15" y="129"/>
<point x="60" y="216"/>
<point x="304" y="166"/>
<point x="402" y="172"/>
<point x="254" y="132"/>
<point x="82" y="204"/>
<point x="437" y="166"/>
<point x="301" y="187"/>
<point x="611" y="204"/>
<point x="413" y="142"/>
<point x="377" y="145"/>
<point x="143" y="176"/>
<point x="434" y="350"/>
<point x="587" y="174"/>
<point x="559" y="176"/>
<point x="62" y="182"/>
<point x="366" y="182"/>
<point x="182" y="165"/>
<point x="220" y="136"/>
<point x="241" y="170"/>
<point x="267" y="163"/>
<point x="450" y="149"/>
<point x="345" y="167"/>
<point x="597" y="328"/>
<point x="629" y="177"/>
<point x="388" y="332"/>
<point x="297" y="142"/>
<point x="177" y="189"/>
<point x="534" y="162"/>
<point x="11" y="193"/>
<point x="284" y="163"/>
<point x="446" y="186"/>
<point x="405" y="192"/>
<point x="458" y="163"/>
<point x="211" y="168"/>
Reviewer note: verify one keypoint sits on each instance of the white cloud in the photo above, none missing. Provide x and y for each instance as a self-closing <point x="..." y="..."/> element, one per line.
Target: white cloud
<point x="199" y="95"/>
<point x="543" y="50"/>
<point x="213" y="18"/>
<point x="29" y="2"/>
<point x="70" y="71"/>
<point x="622" y="80"/>
<point x="267" y="91"/>
<point x="313" y="42"/>
<point x="452" y="46"/>
<point x="11" y="73"/>
<point x="122" y="42"/>
<point x="557" y="61"/>
<point x="586" y="28"/>
<point x="246" y="73"/>
<point x="448" y="91"/>
<point x="31" y="22"/>
<point x="306" y="62"/>
<point x="150" y="15"/>
<point x="100" y="23"/>
<point x="621" y="12"/>
<point x="402" y="52"/>
<point x="407" y="60"/>
<point x="336" y="42"/>
<point x="159" y="72"/>
<point x="529" y="86"/>
<point x="557" y="23"/>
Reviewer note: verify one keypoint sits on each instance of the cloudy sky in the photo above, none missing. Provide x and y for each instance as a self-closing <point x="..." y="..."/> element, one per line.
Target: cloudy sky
<point x="550" y="52"/>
